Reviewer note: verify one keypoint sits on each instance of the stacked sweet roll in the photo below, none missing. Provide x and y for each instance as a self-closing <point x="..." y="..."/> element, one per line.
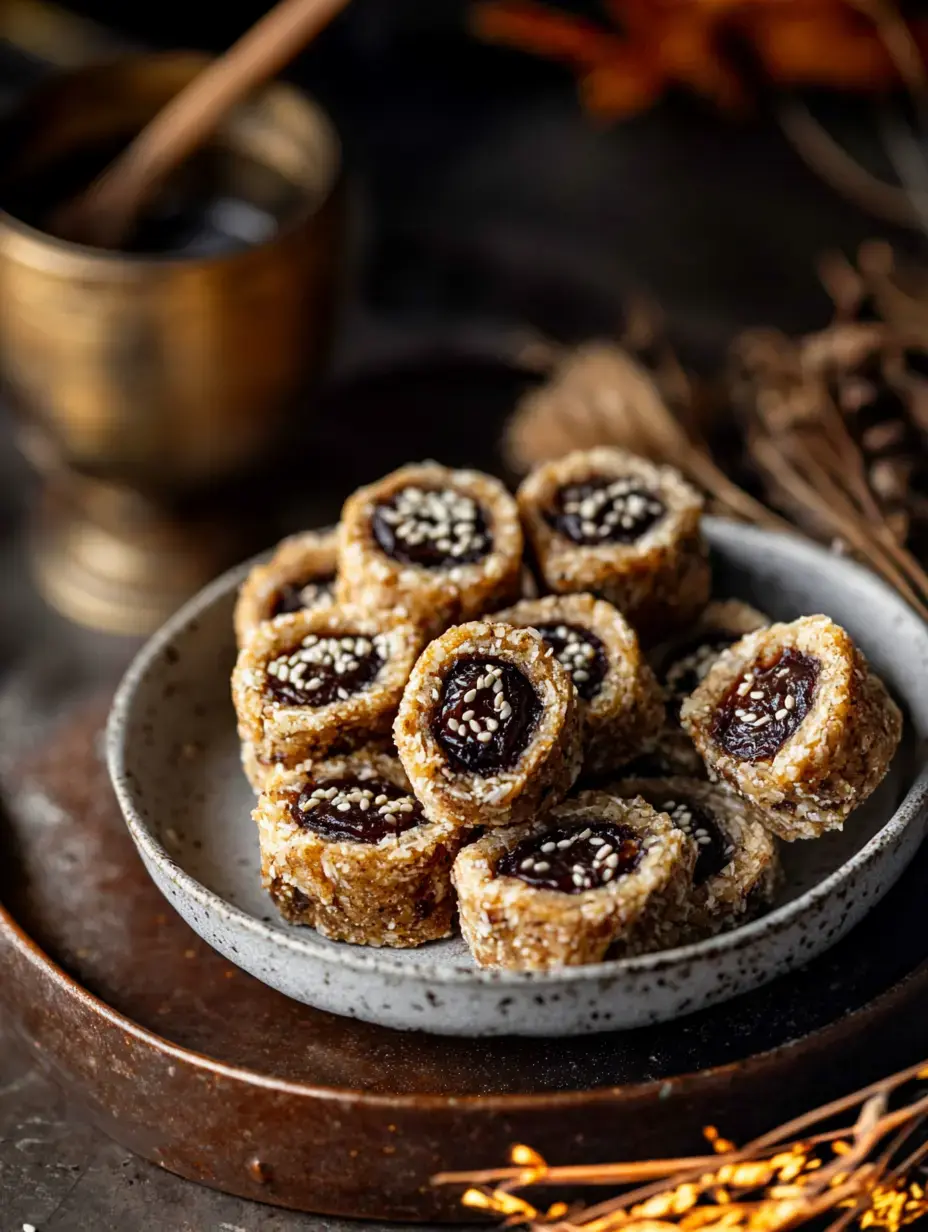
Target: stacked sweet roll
<point x="531" y="714"/>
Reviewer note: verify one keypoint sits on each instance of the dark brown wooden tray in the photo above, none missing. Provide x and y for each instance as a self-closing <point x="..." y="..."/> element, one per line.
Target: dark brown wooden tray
<point x="197" y="1066"/>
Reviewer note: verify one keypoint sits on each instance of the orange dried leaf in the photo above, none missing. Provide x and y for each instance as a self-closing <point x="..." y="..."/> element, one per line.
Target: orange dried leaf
<point x="616" y="90"/>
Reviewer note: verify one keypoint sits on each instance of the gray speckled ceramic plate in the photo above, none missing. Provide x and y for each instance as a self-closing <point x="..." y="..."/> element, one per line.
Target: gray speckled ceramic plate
<point x="173" y="758"/>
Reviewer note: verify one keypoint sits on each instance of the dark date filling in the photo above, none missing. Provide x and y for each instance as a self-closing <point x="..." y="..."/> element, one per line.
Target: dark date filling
<point x="572" y="859"/>
<point x="715" y="851"/>
<point x="322" y="670"/>
<point x="581" y="653"/>
<point x="298" y="596"/>
<point x="603" y="510"/>
<point x="355" y="810"/>
<point x="431" y="528"/>
<point x="765" y="707"/>
<point x="485" y="715"/>
<point x="691" y="663"/>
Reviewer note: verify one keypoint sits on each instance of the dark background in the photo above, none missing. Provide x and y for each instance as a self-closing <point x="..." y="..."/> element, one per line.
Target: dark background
<point x="484" y="201"/>
<point x="487" y="199"/>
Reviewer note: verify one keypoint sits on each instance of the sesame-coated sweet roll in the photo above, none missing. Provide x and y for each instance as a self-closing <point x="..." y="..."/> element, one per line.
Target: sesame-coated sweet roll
<point x="605" y="521"/>
<point x="737" y="869"/>
<point x="444" y="545"/>
<point x="792" y="717"/>
<point x="299" y="576"/>
<point x="682" y="663"/>
<point x="597" y="877"/>
<point x="619" y="697"/>
<point x="319" y="681"/>
<point x="488" y="730"/>
<point x="347" y="849"/>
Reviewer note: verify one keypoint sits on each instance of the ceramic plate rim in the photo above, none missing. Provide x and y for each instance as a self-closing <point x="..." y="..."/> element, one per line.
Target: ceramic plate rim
<point x="382" y="960"/>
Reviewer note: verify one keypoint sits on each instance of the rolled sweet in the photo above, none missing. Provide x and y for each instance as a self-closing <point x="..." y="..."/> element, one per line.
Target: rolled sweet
<point x="347" y="849"/>
<point x="620" y="701"/>
<point x="608" y="522"/>
<point x="737" y="871"/>
<point x="793" y="718"/>
<point x="682" y="663"/>
<point x="327" y="680"/>
<point x="597" y="877"/>
<point x="443" y="545"/>
<point x="489" y="726"/>
<point x="298" y="577"/>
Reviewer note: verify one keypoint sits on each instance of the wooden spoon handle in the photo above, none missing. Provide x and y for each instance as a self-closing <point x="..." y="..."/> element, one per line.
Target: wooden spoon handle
<point x="104" y="214"/>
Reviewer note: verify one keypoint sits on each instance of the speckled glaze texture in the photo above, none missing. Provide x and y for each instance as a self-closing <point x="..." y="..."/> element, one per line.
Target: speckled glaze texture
<point x="174" y="761"/>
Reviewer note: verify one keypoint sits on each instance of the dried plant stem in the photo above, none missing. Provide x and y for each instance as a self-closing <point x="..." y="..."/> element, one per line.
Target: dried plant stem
<point x="583" y="1174"/>
<point x="703" y="471"/>
<point x="837" y="514"/>
<point x="788" y="1185"/>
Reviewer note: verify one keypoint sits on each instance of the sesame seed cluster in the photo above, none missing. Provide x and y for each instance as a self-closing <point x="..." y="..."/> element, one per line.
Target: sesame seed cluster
<point x="421" y="736"/>
<point x="575" y="650"/>
<point x="323" y="668"/>
<point x="616" y="511"/>
<point x="431" y="526"/>
<point x="571" y="861"/>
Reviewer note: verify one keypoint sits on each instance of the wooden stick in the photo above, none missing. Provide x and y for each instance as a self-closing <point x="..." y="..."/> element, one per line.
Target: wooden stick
<point x="105" y="213"/>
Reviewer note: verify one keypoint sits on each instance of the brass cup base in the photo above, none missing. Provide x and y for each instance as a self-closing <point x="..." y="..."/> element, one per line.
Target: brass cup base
<point x="113" y="561"/>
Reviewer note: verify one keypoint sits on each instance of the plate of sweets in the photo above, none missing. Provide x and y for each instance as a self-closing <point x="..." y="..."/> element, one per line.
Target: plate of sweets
<point x="571" y="760"/>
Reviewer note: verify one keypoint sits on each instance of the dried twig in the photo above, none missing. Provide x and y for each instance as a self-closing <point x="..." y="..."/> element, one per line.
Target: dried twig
<point x="799" y="441"/>
<point x="600" y="394"/>
<point x="781" y="1180"/>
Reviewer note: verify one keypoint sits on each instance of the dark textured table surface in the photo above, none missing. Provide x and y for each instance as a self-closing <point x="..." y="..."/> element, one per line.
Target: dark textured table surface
<point x="482" y="211"/>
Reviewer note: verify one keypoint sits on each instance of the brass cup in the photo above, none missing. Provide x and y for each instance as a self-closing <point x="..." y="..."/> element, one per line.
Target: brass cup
<point x="145" y="383"/>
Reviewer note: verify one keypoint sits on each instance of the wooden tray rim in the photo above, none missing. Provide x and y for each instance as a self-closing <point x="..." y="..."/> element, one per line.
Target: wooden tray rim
<point x="503" y="1103"/>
